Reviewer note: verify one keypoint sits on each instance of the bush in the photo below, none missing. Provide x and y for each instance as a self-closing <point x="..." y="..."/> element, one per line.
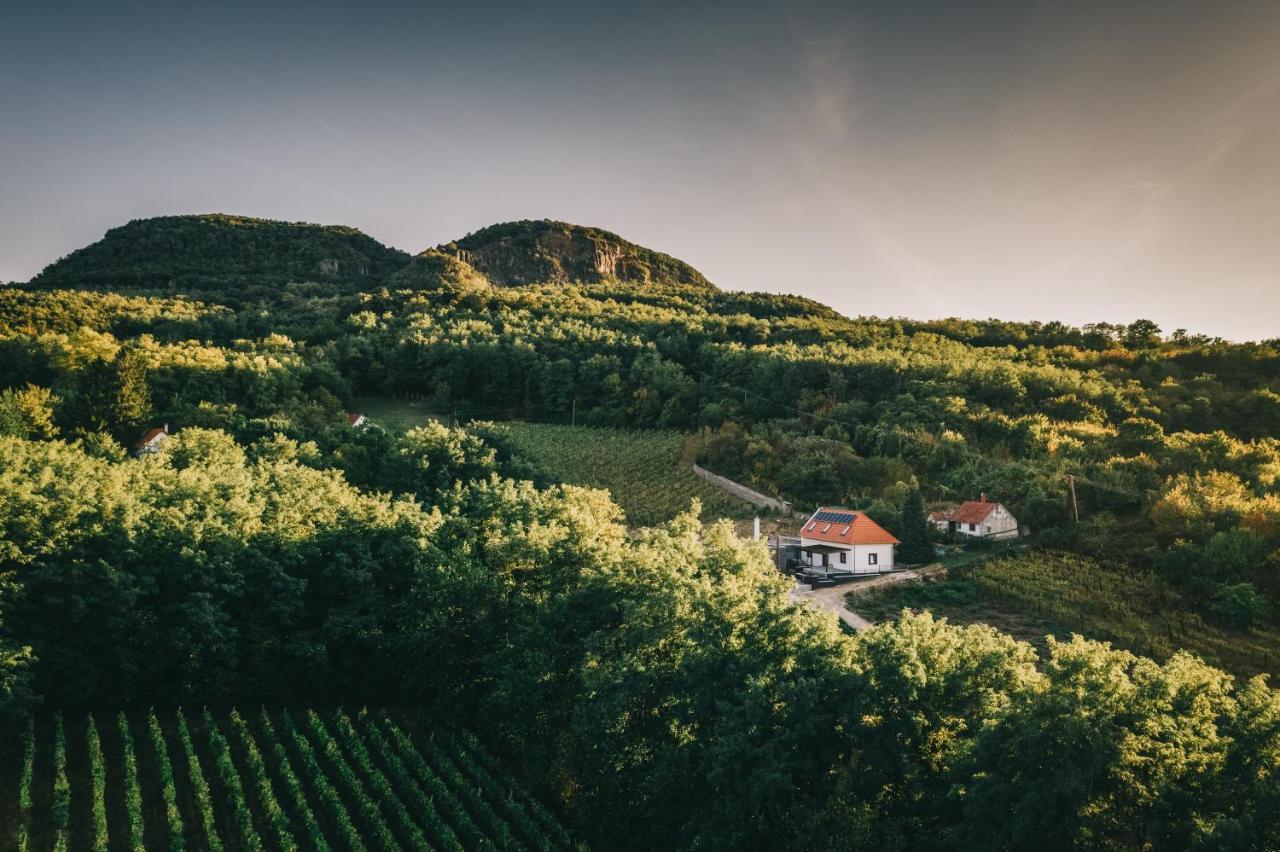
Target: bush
<point x="1239" y="606"/>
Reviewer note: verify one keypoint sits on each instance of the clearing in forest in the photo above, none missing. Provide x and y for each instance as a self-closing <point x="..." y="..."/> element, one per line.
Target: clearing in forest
<point x="648" y="472"/>
<point x="394" y="415"/>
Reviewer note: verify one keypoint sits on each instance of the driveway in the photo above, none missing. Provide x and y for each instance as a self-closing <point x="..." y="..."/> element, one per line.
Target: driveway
<point x="832" y="597"/>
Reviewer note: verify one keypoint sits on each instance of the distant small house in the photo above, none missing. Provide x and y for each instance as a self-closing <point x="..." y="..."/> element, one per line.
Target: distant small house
<point x="841" y="542"/>
<point x="981" y="518"/>
<point x="151" y="440"/>
<point x="356" y="421"/>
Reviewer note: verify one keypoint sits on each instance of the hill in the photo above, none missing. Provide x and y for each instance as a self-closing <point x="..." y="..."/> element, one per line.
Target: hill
<point x="545" y="251"/>
<point x="211" y="250"/>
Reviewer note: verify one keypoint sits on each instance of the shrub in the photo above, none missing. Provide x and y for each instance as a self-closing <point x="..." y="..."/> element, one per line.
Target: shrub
<point x="1239" y="606"/>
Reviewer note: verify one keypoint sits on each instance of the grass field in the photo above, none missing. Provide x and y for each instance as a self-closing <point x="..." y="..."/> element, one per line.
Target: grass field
<point x="647" y="471"/>
<point x="394" y="415"/>
<point x="256" y="780"/>
<point x="1031" y="593"/>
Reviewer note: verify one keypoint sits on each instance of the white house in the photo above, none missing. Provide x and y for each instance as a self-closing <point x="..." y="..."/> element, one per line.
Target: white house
<point x="842" y="542"/>
<point x="151" y="440"/>
<point x="979" y="518"/>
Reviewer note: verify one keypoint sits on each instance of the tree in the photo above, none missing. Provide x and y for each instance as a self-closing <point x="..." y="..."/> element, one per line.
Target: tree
<point x="1145" y="744"/>
<point x="1239" y="606"/>
<point x="28" y="412"/>
<point x="1141" y="334"/>
<point x="114" y="395"/>
<point x="16" y="661"/>
<point x="914" y="531"/>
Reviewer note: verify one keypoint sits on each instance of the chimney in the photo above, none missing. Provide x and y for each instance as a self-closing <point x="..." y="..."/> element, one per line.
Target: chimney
<point x="756" y="535"/>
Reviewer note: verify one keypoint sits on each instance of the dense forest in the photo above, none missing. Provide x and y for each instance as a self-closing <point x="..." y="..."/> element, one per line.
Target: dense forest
<point x="653" y="681"/>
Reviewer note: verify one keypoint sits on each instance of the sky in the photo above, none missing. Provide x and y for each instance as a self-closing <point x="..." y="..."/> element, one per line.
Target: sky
<point x="1074" y="161"/>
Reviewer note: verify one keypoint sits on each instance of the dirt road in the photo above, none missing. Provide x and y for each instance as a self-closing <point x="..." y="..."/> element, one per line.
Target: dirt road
<point x="832" y="597"/>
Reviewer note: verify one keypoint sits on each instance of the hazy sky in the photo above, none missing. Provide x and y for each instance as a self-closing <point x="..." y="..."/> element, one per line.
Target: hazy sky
<point x="1069" y="160"/>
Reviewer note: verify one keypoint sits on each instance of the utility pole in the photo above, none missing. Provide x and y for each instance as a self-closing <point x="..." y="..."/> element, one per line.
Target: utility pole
<point x="573" y="415"/>
<point x="1075" y="508"/>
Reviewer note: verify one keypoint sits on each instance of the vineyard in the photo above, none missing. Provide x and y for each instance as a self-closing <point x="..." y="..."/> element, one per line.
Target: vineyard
<point x="1032" y="594"/>
<point x="647" y="472"/>
<point x="304" y="780"/>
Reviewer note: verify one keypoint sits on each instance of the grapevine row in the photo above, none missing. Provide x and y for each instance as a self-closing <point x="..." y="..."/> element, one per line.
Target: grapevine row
<point x="523" y="808"/>
<point x="132" y="790"/>
<point x="440" y="792"/>
<point x="349" y="782"/>
<point x="277" y="820"/>
<point x="232" y="789"/>
<point x="97" y="784"/>
<point x="391" y="805"/>
<point x="305" y="780"/>
<point x="168" y="789"/>
<point x="24" y="783"/>
<point x="293" y="790"/>
<point x="324" y="790"/>
<point x="204" y="799"/>
<point x="498" y="828"/>
<point x="61" y="787"/>
<point x="412" y="792"/>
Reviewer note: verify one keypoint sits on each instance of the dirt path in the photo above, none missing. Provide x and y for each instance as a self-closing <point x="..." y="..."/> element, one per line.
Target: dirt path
<point x="831" y="598"/>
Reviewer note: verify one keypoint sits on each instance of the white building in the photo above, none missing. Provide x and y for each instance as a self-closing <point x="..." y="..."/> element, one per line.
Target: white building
<point x="980" y="518"/>
<point x="842" y="542"/>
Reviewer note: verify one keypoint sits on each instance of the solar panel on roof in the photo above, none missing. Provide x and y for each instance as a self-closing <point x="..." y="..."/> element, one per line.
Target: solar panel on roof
<point x="834" y="517"/>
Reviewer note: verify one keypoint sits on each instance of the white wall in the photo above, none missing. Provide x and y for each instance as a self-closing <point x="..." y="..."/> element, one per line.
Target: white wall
<point x="1000" y="523"/>
<point x="862" y="563"/>
<point x="857" y="559"/>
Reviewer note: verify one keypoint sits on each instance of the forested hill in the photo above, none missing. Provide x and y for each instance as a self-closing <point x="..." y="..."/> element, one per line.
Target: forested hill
<point x="195" y="252"/>
<point x="655" y="683"/>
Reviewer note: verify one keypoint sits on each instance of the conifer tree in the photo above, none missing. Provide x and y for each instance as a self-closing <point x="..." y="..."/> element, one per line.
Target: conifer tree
<point x="914" y="531"/>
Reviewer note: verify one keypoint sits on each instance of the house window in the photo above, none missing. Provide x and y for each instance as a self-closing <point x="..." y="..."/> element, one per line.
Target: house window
<point x="973" y="527"/>
<point x="873" y="558"/>
<point x="842" y="557"/>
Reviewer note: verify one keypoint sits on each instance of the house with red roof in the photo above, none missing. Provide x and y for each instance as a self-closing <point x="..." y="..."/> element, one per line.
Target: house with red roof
<point x="151" y="440"/>
<point x="838" y="542"/>
<point x="981" y="518"/>
<point x="357" y="421"/>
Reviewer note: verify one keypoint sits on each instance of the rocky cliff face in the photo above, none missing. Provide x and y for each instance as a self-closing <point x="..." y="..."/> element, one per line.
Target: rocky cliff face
<point x="530" y="252"/>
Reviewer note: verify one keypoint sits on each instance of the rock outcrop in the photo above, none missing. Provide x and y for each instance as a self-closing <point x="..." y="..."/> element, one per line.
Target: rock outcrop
<point x="544" y="251"/>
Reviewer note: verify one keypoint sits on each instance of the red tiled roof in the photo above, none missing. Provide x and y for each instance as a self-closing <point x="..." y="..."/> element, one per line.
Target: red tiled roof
<point x="858" y="529"/>
<point x="940" y="515"/>
<point x="972" y="511"/>
<point x="149" y="436"/>
<point x="353" y="419"/>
